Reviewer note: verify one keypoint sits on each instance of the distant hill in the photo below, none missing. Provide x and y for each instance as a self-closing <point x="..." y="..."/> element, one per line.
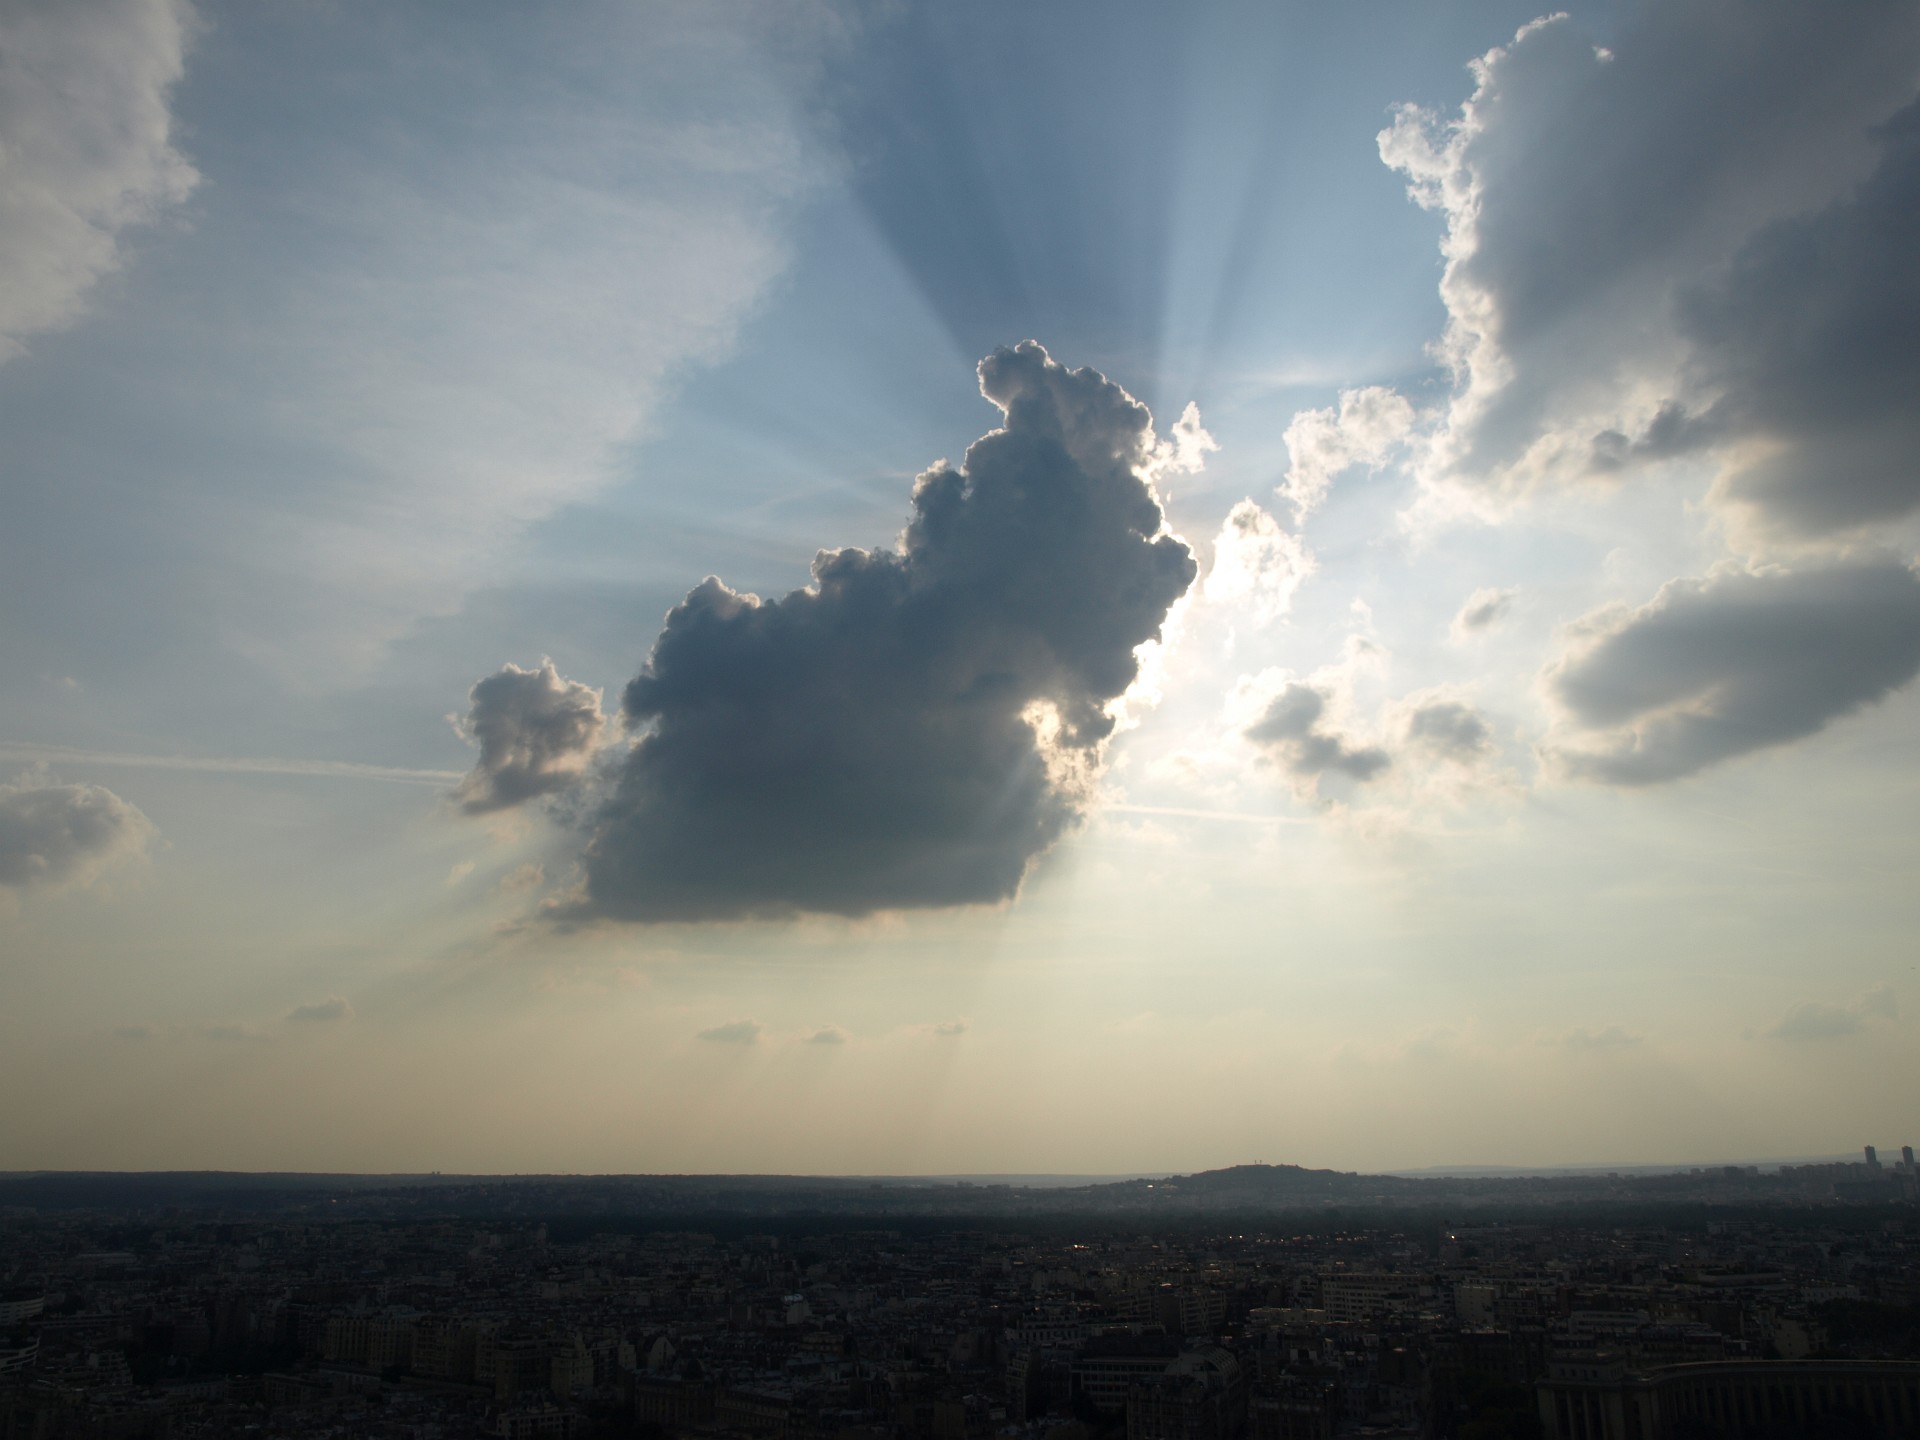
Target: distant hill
<point x="1237" y="1189"/>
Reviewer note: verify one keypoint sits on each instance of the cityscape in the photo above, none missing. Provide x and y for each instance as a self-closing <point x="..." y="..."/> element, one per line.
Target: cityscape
<point x="1255" y="1303"/>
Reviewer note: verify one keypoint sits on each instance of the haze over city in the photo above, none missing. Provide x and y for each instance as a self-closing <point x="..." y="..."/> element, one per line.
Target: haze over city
<point x="1021" y="589"/>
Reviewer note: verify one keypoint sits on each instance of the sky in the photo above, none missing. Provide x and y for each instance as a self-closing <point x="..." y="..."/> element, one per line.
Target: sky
<point x="893" y="588"/>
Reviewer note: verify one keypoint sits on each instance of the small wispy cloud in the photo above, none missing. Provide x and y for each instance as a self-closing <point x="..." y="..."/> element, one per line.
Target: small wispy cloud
<point x="828" y="1035"/>
<point x="1812" y="1020"/>
<point x="522" y="878"/>
<point x="1485" y="608"/>
<point x="321" y="1011"/>
<point x="734" y="1032"/>
<point x="1583" y="1041"/>
<point x="1817" y="1020"/>
<point x="227" y="1032"/>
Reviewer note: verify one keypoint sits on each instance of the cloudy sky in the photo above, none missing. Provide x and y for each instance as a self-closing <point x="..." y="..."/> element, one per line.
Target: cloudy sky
<point x="851" y="587"/>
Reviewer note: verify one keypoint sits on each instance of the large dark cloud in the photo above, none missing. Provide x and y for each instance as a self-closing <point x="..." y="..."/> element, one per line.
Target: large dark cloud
<point x="1812" y="343"/>
<point x="1715" y="668"/>
<point x="57" y="837"/>
<point x="918" y="724"/>
<point x="536" y="733"/>
<point x="1595" y="200"/>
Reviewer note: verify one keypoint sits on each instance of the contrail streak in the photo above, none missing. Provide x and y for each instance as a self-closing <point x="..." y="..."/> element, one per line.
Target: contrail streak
<point x="226" y="765"/>
<point x="1239" y="816"/>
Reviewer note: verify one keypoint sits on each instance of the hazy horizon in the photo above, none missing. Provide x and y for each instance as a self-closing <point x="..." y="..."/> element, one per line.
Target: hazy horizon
<point x="1039" y="1180"/>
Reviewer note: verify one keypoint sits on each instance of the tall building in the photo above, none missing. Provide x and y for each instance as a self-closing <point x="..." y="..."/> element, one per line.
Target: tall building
<point x="1107" y="1366"/>
<point x="1601" y="1399"/>
<point x="1873" y="1158"/>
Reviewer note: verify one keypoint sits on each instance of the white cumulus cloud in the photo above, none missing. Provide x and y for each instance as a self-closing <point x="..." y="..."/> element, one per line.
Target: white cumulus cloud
<point x="1366" y="429"/>
<point x="1618" y="283"/>
<point x="536" y="733"/>
<point x="1715" y="668"/>
<point x="65" y="837"/>
<point x="1258" y="564"/>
